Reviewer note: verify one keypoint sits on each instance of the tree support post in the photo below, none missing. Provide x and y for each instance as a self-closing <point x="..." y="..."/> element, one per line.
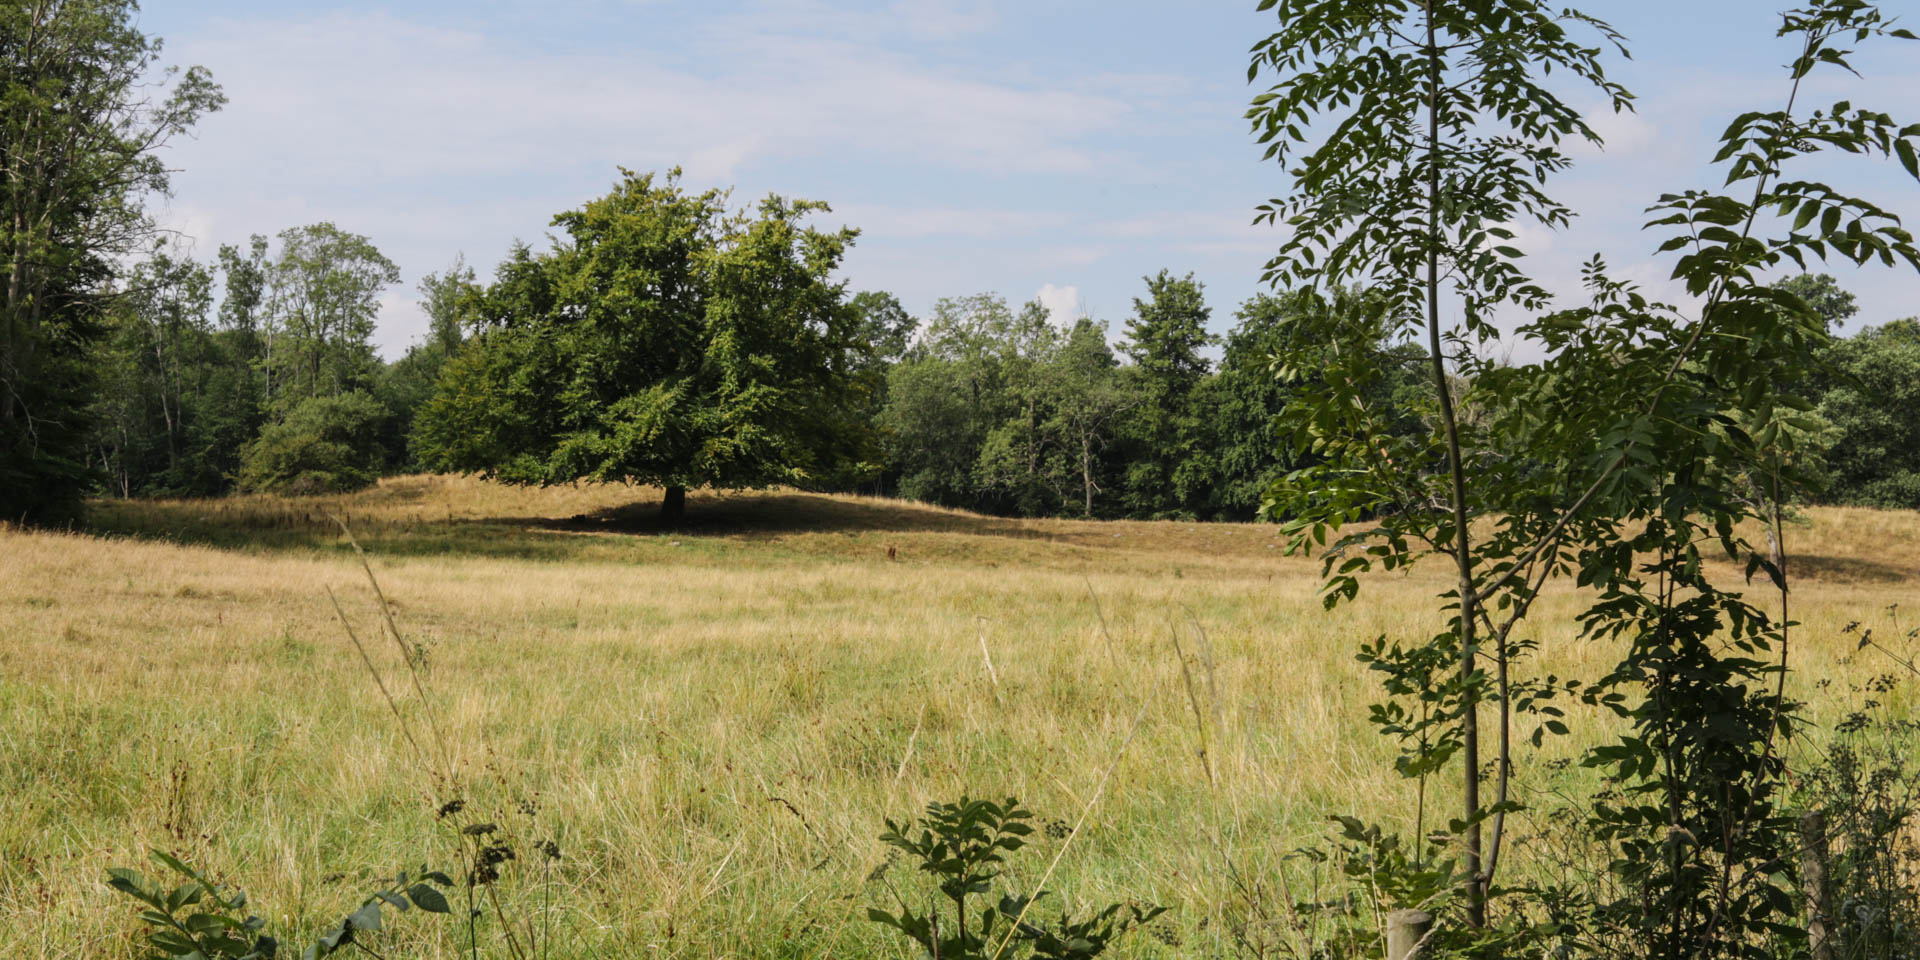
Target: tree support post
<point x="1813" y="882"/>
<point x="1407" y="934"/>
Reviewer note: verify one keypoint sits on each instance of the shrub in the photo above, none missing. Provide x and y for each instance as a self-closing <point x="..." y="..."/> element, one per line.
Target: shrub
<point x="325" y="445"/>
<point x="962" y="845"/>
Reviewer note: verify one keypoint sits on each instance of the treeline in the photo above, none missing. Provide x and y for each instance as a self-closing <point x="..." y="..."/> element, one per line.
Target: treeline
<point x="1007" y="412"/>
<point x="979" y="405"/>
<point x="279" y="387"/>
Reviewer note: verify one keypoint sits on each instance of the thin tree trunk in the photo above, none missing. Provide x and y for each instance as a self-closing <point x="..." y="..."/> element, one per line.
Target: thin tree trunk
<point x="1086" y="472"/>
<point x="1462" y="549"/>
<point x="168" y="408"/>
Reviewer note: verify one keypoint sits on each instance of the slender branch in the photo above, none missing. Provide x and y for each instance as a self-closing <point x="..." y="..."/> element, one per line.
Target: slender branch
<point x="1521" y="606"/>
<point x="1686" y="350"/>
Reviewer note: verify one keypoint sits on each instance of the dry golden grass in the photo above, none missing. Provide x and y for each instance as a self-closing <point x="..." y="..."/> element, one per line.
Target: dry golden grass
<point x="712" y="723"/>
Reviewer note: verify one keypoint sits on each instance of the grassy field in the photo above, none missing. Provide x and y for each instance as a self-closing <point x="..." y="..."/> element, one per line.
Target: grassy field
<point x="712" y="724"/>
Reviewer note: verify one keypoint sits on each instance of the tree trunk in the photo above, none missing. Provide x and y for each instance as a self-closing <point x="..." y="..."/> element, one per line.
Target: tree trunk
<point x="673" y="507"/>
<point x="1814" y="851"/>
<point x="1086" y="472"/>
<point x="167" y="407"/>
<point x="1474" y="880"/>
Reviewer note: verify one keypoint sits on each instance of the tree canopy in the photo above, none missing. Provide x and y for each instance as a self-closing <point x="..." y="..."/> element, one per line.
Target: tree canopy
<point x="81" y="129"/>
<point x="1872" y="409"/>
<point x="664" y="339"/>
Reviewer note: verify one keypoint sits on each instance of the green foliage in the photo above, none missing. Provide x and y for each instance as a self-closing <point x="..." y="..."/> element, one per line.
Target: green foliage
<point x="1866" y="792"/>
<point x="451" y="302"/>
<point x="1821" y="293"/>
<point x="1089" y="394"/>
<point x="327" y="444"/>
<point x="1006" y="412"/>
<point x="972" y="380"/>
<point x="1248" y="444"/>
<point x="664" y="340"/>
<point x="1167" y="473"/>
<point x="884" y="326"/>
<point x="1873" y="410"/>
<point x="322" y="294"/>
<point x="174" y="402"/>
<point x="1641" y="439"/>
<point x="181" y="406"/>
<point x="932" y="432"/>
<point x="246" y="283"/>
<point x="884" y="331"/>
<point x="1376" y="873"/>
<point x="85" y="108"/>
<point x="195" y="919"/>
<point x="178" y="395"/>
<point x="963" y="846"/>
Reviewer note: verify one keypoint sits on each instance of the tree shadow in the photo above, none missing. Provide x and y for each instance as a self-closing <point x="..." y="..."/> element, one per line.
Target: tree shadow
<point x="1828" y="569"/>
<point x="768" y="515"/>
<point x="419" y="529"/>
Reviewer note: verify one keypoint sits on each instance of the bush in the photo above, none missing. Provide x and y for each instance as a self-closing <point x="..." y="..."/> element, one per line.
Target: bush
<point x="963" y="846"/>
<point x="325" y="445"/>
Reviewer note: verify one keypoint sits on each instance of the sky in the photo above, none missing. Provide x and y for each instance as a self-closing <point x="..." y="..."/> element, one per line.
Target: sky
<point x="1051" y="149"/>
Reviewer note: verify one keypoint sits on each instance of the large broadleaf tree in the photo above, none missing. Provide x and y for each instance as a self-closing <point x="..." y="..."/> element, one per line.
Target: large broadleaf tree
<point x="663" y="339"/>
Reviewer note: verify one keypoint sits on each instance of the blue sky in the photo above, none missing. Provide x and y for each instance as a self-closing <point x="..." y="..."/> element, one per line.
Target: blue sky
<point x="1052" y="148"/>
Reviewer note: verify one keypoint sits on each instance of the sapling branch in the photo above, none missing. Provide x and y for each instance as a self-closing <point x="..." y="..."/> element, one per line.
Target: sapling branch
<point x="1777" y="148"/>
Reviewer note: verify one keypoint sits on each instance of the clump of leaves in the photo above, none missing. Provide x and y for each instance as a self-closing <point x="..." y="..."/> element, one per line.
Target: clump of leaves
<point x="195" y="919"/>
<point x="964" y="845"/>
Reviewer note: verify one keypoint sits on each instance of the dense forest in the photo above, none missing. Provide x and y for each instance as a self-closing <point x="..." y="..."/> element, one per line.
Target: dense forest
<point x="257" y="371"/>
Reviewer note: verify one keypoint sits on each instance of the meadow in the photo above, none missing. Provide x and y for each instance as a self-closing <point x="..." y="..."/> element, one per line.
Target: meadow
<point x="712" y="724"/>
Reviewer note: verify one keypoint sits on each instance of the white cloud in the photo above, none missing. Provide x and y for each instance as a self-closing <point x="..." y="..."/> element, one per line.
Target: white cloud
<point x="1062" y="303"/>
<point x="1071" y="254"/>
<point x="401" y="318"/>
<point x="432" y="139"/>
<point x="884" y="221"/>
<point x="1622" y="134"/>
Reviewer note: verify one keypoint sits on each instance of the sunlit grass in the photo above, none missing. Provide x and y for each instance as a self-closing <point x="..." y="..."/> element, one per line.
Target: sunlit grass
<point x="713" y="722"/>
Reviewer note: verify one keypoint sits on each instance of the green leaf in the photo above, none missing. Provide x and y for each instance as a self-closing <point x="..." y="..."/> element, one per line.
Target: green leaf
<point x="1808" y="211"/>
<point x="175" y="943"/>
<point x="203" y="924"/>
<point x="128" y="882"/>
<point x="174" y="862"/>
<point x="428" y="899"/>
<point x="367" y="917"/>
